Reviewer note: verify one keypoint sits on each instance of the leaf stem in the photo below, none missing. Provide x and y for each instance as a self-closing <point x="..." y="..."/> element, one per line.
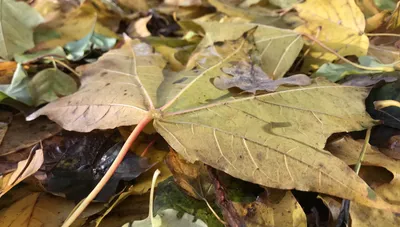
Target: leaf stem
<point x="362" y="154"/>
<point x="384" y="69"/>
<point x="153" y="185"/>
<point x="125" y="148"/>
<point x="64" y="65"/>
<point x="383" y="34"/>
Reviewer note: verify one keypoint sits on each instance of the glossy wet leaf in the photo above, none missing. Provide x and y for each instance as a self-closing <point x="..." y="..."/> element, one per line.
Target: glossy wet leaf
<point x="275" y="140"/>
<point x="51" y="84"/>
<point x="17" y="22"/>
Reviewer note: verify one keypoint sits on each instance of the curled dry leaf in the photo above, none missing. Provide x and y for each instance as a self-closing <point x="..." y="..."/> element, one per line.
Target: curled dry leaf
<point x="281" y="149"/>
<point x="251" y="78"/>
<point x="338" y="24"/>
<point x="25" y="169"/>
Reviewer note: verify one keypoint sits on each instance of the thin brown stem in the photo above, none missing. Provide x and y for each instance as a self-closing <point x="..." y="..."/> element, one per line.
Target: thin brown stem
<point x="383" y="34"/>
<point x="63" y="64"/>
<point x="125" y="148"/>
<point x="364" y="149"/>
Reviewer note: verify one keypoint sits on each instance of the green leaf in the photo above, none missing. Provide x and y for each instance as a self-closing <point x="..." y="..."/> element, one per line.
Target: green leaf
<point x="50" y="84"/>
<point x="102" y="42"/>
<point x="385" y="4"/>
<point x="17" y="20"/>
<point x="18" y="89"/>
<point x="76" y="49"/>
<point x="336" y="72"/>
<point x="275" y="140"/>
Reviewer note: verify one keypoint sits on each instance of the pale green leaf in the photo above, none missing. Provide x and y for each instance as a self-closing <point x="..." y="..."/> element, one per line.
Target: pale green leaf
<point x="17" y="20"/>
<point x="335" y="72"/>
<point x="50" y="84"/>
<point x="169" y="218"/>
<point x="18" y="89"/>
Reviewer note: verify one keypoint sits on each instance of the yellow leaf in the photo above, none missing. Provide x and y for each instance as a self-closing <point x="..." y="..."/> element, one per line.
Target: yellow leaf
<point x="394" y="21"/>
<point x="368" y="7"/>
<point x="338" y="24"/>
<point x="183" y="2"/>
<point x="376" y="21"/>
<point x="362" y="216"/>
<point x="19" y="213"/>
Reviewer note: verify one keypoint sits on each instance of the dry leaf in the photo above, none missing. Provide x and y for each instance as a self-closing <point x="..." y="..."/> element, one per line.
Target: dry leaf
<point x="251" y="78"/>
<point x="385" y="54"/>
<point x="338" y="24"/>
<point x="25" y="169"/>
<point x="376" y="21"/>
<point x="22" y="134"/>
<point x="19" y="213"/>
<point x="139" y="28"/>
<point x="183" y="2"/>
<point x="204" y="123"/>
<point x="236" y="10"/>
<point x="284" y="211"/>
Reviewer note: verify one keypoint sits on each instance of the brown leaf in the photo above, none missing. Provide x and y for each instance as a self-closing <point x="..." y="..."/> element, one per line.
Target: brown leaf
<point x="193" y="178"/>
<point x="22" y="134"/>
<point x="251" y="78"/>
<point x="25" y="169"/>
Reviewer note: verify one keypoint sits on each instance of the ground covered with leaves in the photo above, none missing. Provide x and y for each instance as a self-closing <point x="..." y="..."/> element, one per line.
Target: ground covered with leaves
<point x="199" y="113"/>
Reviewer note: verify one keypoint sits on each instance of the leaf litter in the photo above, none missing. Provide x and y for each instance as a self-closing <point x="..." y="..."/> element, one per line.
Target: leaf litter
<point x="226" y="91"/>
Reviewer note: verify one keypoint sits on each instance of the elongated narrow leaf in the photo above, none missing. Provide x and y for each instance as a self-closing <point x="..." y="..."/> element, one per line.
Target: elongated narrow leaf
<point x="274" y="139"/>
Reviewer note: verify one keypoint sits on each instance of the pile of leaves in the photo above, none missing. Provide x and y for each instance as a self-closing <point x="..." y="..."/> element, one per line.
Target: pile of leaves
<point x="252" y="113"/>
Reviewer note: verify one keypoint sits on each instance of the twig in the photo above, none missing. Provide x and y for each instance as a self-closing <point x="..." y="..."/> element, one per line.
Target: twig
<point x="63" y="64"/>
<point x="132" y="137"/>
<point x="383" y="34"/>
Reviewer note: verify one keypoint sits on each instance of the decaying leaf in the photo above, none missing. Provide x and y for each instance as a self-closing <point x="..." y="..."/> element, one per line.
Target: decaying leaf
<point x="22" y="134"/>
<point x="236" y="10"/>
<point x="17" y="22"/>
<point x="367" y="80"/>
<point x="338" y="24"/>
<point x="193" y="178"/>
<point x="25" y="169"/>
<point x="276" y="208"/>
<point x="251" y="78"/>
<point x="19" y="213"/>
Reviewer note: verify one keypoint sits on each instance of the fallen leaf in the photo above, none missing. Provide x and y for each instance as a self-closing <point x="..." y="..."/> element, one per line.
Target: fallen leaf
<point x="368" y="7"/>
<point x="335" y="72"/>
<point x="385" y="54"/>
<point x="284" y="3"/>
<point x="139" y="28"/>
<point x="348" y="150"/>
<point x="73" y="26"/>
<point x="25" y="169"/>
<point x="394" y="21"/>
<point x="20" y="212"/>
<point x="385" y="4"/>
<point x="231" y="9"/>
<point x="22" y="134"/>
<point x="18" y="89"/>
<point x="51" y="84"/>
<point x="137" y="5"/>
<point x="376" y="21"/>
<point x="17" y="22"/>
<point x="366" y="80"/>
<point x="57" y="52"/>
<point x="229" y="141"/>
<point x="193" y="178"/>
<point x="251" y="78"/>
<point x="362" y="216"/>
<point x="277" y="48"/>
<point x="339" y="24"/>
<point x="7" y="69"/>
<point x="282" y="211"/>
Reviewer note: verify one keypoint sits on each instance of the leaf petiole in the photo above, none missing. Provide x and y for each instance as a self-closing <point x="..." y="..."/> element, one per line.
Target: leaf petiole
<point x="125" y="148"/>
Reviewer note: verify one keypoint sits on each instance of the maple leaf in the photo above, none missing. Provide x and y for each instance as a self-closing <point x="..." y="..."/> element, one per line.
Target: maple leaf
<point x="275" y="139"/>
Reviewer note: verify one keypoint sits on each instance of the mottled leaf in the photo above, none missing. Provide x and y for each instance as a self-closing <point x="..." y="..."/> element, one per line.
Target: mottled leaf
<point x="251" y="78"/>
